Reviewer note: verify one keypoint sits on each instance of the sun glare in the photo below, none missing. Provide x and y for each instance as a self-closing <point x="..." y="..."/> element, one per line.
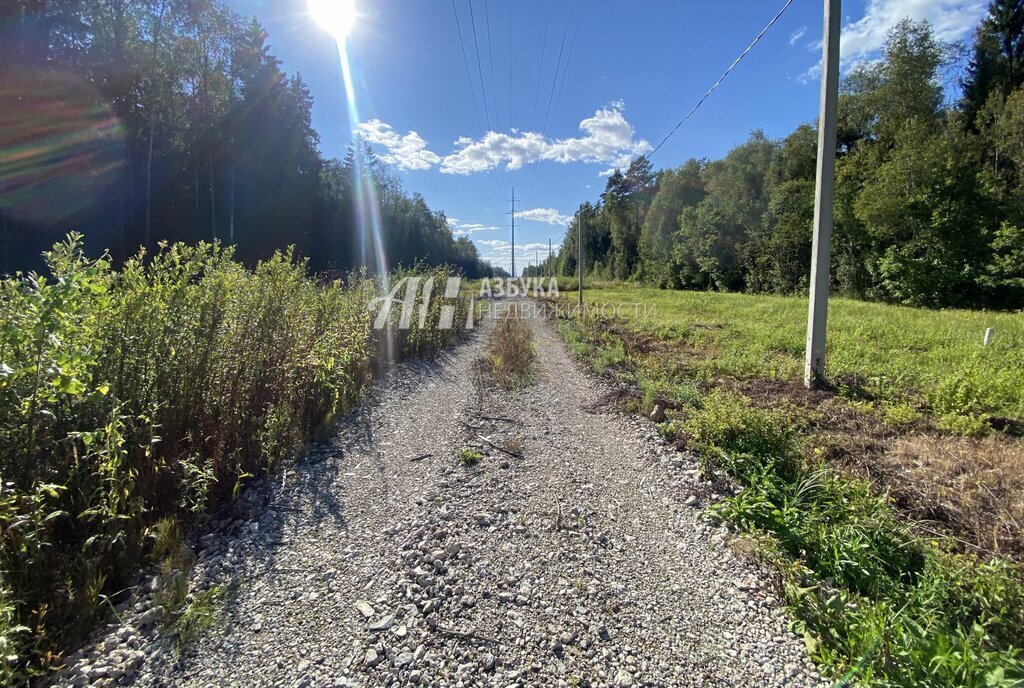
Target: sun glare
<point x="336" y="17"/>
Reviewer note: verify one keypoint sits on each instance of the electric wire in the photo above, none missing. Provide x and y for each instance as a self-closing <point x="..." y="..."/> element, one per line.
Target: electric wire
<point x="561" y="86"/>
<point x="558" y="64"/>
<point x="476" y="106"/>
<point x="540" y="70"/>
<point x="721" y="78"/>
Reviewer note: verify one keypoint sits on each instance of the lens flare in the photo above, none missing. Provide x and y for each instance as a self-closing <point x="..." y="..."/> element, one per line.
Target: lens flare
<point x="337" y="18"/>
<point x="61" y="147"/>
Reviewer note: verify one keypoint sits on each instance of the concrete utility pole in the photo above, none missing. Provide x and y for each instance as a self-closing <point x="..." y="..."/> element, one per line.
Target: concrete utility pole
<point x="579" y="257"/>
<point x="821" y="254"/>
<point x="549" y="258"/>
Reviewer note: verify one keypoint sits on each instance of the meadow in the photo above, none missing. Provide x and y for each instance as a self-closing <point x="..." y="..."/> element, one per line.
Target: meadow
<point x="135" y="402"/>
<point x="889" y="503"/>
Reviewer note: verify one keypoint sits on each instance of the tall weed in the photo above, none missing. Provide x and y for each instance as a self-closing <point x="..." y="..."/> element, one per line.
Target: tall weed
<point x="132" y="396"/>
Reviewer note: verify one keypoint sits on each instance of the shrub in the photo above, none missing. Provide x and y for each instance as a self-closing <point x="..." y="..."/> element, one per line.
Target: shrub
<point x="132" y="398"/>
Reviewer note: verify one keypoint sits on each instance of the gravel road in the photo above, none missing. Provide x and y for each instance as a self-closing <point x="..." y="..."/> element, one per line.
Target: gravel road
<point x="380" y="559"/>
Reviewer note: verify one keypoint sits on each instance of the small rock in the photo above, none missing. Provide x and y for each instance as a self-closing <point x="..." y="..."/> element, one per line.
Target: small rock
<point x="623" y="679"/>
<point x="364" y="608"/>
<point x="383" y="624"/>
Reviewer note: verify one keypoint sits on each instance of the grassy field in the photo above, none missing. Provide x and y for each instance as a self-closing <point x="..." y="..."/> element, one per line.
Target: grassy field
<point x="890" y="503"/>
<point x="910" y="361"/>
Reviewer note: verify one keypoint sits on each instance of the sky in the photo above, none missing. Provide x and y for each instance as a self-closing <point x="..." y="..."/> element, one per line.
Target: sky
<point x="465" y="120"/>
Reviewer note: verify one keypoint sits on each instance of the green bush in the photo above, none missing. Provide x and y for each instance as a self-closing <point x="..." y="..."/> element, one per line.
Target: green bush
<point x="129" y="397"/>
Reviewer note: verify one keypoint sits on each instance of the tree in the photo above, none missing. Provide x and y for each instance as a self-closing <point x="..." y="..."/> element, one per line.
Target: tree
<point x="997" y="65"/>
<point x="929" y="218"/>
<point x="676" y="190"/>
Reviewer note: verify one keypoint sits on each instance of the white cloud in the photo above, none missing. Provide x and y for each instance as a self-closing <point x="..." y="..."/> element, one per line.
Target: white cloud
<point x="460" y="228"/>
<point x="607" y="138"/>
<point x="542" y="247"/>
<point x="548" y="215"/>
<point x="862" y="40"/>
<point x="950" y="19"/>
<point x="797" y="35"/>
<point x="495" y="243"/>
<point x="408" y="152"/>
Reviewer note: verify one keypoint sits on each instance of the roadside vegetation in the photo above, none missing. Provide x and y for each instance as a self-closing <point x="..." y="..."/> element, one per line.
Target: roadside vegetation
<point x="134" y="402"/>
<point x="890" y="504"/>
<point x="510" y="351"/>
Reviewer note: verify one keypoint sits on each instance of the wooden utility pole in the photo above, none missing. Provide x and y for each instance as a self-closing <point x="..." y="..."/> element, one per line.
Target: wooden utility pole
<point x="821" y="253"/>
<point x="549" y="258"/>
<point x="579" y="256"/>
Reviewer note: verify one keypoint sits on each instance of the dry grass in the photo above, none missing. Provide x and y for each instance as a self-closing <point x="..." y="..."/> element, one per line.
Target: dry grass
<point x="970" y="488"/>
<point x="510" y="354"/>
<point x="976" y="486"/>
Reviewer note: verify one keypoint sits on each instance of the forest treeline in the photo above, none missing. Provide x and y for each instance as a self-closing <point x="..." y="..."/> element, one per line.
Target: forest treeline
<point x="929" y="202"/>
<point x="140" y="121"/>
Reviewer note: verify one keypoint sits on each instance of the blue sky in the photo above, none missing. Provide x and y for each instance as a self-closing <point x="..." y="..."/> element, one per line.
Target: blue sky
<point x="634" y="68"/>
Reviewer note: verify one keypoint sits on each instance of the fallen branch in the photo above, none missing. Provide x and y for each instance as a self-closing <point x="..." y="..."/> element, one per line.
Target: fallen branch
<point x="499" y="447"/>
<point x="465" y="635"/>
<point x="420" y="457"/>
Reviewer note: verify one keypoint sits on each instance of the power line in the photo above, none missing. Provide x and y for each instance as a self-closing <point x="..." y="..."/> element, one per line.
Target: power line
<point x="490" y="60"/>
<point x="502" y="174"/>
<point x="565" y="70"/>
<point x="540" y="70"/>
<point x="479" y="68"/>
<point x="547" y="108"/>
<point x="721" y="78"/>
<point x="510" y="63"/>
<point x="469" y="76"/>
<point x="711" y="90"/>
<point x="558" y="64"/>
<point x="472" y="93"/>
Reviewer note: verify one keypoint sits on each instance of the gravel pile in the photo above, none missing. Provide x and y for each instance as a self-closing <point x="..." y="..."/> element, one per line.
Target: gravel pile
<point x="574" y="553"/>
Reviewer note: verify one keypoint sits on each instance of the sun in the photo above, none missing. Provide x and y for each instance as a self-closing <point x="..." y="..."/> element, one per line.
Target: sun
<point x="336" y="17"/>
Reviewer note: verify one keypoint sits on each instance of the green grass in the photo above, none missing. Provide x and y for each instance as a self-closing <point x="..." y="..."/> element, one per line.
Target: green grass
<point x="877" y="604"/>
<point x="470" y="457"/>
<point x="905" y="360"/>
<point x="198" y="613"/>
